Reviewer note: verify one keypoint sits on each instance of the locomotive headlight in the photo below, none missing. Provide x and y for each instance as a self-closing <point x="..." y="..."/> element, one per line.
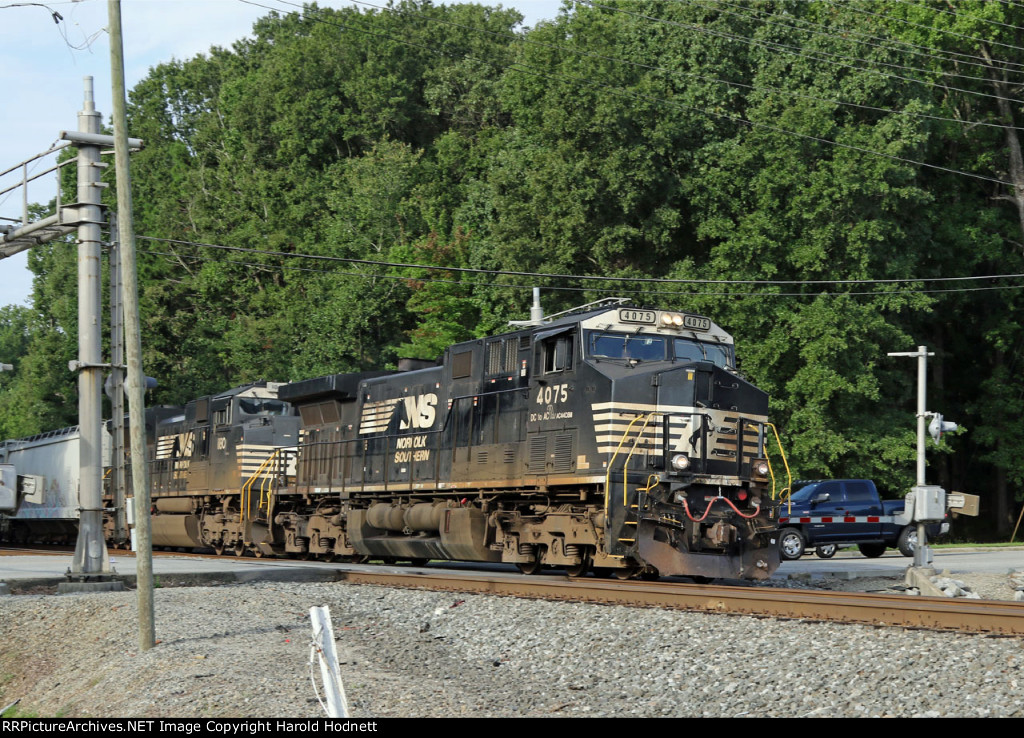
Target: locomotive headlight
<point x="666" y="318"/>
<point x="760" y="468"/>
<point x="677" y="320"/>
<point x="680" y="462"/>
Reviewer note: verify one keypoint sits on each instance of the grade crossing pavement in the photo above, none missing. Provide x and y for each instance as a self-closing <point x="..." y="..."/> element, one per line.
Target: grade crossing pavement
<point x="20" y="570"/>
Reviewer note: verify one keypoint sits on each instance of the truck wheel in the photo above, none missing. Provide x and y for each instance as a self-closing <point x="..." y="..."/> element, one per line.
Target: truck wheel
<point x="908" y="540"/>
<point x="791" y="544"/>
<point x="872" y="550"/>
<point x="826" y="551"/>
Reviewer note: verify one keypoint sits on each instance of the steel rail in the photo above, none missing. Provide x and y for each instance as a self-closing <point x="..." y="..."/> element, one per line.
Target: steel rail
<point x="988" y="617"/>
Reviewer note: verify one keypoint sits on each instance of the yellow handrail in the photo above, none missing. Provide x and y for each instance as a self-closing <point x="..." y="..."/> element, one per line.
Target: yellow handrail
<point x="247" y="487"/>
<point x="787" y="490"/>
<point x="625" y="465"/>
<point x="611" y="462"/>
<point x="652" y="481"/>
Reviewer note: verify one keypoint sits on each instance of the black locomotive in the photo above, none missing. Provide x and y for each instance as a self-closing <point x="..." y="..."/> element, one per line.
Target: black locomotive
<point x="609" y="437"/>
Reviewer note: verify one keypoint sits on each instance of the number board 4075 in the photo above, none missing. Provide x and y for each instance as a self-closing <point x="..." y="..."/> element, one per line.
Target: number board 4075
<point x="647" y="317"/>
<point x="696" y="323"/>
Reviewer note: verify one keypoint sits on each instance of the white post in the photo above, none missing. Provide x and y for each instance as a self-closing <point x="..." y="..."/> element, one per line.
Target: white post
<point x="330" y="674"/>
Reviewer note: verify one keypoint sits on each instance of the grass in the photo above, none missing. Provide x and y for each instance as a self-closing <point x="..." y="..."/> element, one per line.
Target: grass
<point x="966" y="544"/>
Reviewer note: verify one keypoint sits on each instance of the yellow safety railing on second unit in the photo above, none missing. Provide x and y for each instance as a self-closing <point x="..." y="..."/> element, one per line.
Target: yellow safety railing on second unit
<point x="786" y="491"/>
<point x="265" y="488"/>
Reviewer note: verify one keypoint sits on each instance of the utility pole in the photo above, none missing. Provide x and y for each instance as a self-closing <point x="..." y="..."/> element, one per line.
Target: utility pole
<point x="133" y="337"/>
<point x="115" y="391"/>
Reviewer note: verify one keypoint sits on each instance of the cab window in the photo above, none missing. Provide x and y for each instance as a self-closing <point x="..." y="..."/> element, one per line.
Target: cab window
<point x="686" y="349"/>
<point x="260" y="406"/>
<point x="607" y="345"/>
<point x="556" y="353"/>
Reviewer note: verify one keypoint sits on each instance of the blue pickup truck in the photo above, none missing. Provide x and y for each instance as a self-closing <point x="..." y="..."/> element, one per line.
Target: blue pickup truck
<point x="826" y="514"/>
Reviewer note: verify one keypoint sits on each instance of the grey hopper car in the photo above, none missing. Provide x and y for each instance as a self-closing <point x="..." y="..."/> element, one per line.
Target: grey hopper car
<point x="41" y="500"/>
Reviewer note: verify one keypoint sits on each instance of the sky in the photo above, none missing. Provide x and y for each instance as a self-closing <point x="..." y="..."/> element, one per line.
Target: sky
<point x="43" y="64"/>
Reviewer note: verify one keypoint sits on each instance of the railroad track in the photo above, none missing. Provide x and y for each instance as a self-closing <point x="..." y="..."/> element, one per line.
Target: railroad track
<point x="989" y="617"/>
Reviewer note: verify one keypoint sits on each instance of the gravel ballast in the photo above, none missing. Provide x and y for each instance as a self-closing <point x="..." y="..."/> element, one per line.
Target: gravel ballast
<point x="243" y="651"/>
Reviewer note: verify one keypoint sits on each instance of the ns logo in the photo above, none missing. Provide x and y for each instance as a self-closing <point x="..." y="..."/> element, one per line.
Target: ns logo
<point x="419" y="411"/>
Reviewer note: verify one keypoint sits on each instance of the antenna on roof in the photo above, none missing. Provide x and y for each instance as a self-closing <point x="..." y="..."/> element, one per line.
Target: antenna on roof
<point x="536" y="313"/>
<point x="538" y="318"/>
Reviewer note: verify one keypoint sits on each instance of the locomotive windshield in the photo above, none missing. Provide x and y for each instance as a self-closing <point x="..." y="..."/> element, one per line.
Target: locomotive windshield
<point x="641" y="347"/>
<point x="260" y="406"/>
<point x="686" y="349"/>
<point x="605" y="345"/>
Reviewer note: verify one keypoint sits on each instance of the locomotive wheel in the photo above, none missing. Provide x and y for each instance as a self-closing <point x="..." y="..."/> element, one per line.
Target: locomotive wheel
<point x="602" y="571"/>
<point x="530" y="567"/>
<point x="580" y="569"/>
<point x="418" y="562"/>
<point x="218" y="548"/>
<point x="627" y="573"/>
<point x="328" y="557"/>
<point x="257" y="552"/>
<point x="239" y="549"/>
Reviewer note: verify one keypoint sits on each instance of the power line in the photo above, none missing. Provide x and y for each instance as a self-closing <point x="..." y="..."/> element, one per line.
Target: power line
<point x="794" y="51"/>
<point x="693" y="75"/>
<point x="889" y="43"/>
<point x="855" y="9"/>
<point x="600" y="290"/>
<point x="953" y="13"/>
<point x="594" y="278"/>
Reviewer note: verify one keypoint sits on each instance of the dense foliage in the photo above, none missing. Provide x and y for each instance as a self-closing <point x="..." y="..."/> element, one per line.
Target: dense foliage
<point x="807" y="167"/>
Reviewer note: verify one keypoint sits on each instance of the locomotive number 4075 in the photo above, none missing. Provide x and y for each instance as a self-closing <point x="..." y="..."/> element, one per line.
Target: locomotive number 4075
<point x="552" y="394"/>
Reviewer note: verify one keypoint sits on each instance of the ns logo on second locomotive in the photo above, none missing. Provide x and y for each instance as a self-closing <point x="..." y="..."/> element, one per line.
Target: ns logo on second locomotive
<point x="609" y="437"/>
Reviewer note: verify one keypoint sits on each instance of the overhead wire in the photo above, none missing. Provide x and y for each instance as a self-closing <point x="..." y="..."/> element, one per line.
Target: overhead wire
<point x="855" y="9"/>
<point x="518" y="66"/>
<point x="473" y="284"/>
<point x="656" y="281"/>
<point x="693" y="75"/>
<point x="889" y="43"/>
<point x="796" y="51"/>
<point x="953" y="13"/>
